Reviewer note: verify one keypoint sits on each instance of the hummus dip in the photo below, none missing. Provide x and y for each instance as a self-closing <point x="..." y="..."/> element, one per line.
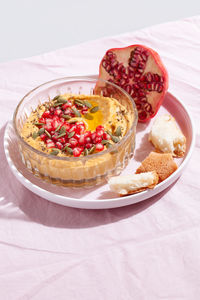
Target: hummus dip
<point x="72" y="126"/>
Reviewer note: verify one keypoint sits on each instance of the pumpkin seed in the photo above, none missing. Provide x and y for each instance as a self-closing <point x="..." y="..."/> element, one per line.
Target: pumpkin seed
<point x="118" y="131"/>
<point x="68" y="149"/>
<point x="115" y="139"/>
<point x="79" y="102"/>
<point x="38" y="124"/>
<point x="47" y="133"/>
<point x="109" y="145"/>
<point x="104" y="142"/>
<point x="35" y="135"/>
<point x="88" y="116"/>
<point x="63" y="129"/>
<point x="62" y="100"/>
<point x="91" y="150"/>
<point x="56" y="97"/>
<point x="77" y="113"/>
<point x="87" y="103"/>
<point x="60" y="135"/>
<point x="71" y="134"/>
<point x="54" y="152"/>
<point x="86" y="152"/>
<point x="72" y="121"/>
<point x="66" y="117"/>
<point x="57" y="128"/>
<point x="56" y="104"/>
<point x="94" y="109"/>
<point x="41" y="131"/>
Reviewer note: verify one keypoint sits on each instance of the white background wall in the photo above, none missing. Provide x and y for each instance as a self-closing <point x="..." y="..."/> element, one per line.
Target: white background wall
<point x="31" y="27"/>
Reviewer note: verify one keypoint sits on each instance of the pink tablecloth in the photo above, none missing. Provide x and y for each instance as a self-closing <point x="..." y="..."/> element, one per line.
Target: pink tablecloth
<point x="150" y="250"/>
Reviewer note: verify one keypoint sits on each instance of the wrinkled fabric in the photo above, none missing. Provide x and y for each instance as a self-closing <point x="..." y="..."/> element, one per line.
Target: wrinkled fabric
<point x="149" y="250"/>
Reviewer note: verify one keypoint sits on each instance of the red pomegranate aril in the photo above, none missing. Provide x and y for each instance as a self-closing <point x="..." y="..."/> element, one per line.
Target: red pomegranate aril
<point x="98" y="139"/>
<point x="42" y="120"/>
<point x="50" y="143"/>
<point x="93" y="136"/>
<point x="99" y="147"/>
<point x="52" y="109"/>
<point x="99" y="133"/>
<point x="55" y="136"/>
<point x="81" y="140"/>
<point x="62" y="140"/>
<point x="43" y="136"/>
<point x="87" y="134"/>
<point x="99" y="127"/>
<point x="87" y="140"/>
<point x="73" y="142"/>
<point x="48" y="127"/>
<point x="58" y="112"/>
<point x="106" y="136"/>
<point x="73" y="128"/>
<point x="66" y="126"/>
<point x="59" y="145"/>
<point x="84" y="111"/>
<point x="80" y="129"/>
<point x="69" y="112"/>
<point x="46" y="114"/>
<point x="88" y="145"/>
<point x="77" y="151"/>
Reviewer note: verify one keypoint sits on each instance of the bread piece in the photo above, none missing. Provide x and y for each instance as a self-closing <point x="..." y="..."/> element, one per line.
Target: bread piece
<point x="162" y="163"/>
<point x="131" y="184"/>
<point x="167" y="137"/>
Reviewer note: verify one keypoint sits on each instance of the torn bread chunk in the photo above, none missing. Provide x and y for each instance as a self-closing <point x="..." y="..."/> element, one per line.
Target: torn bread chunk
<point x="131" y="184"/>
<point x="162" y="163"/>
<point x="167" y="137"/>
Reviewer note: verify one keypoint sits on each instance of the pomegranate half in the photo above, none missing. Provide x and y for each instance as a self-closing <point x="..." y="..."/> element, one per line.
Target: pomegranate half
<point x="140" y="72"/>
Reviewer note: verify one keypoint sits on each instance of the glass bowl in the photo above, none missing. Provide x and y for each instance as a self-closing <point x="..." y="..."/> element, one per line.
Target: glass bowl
<point x="75" y="171"/>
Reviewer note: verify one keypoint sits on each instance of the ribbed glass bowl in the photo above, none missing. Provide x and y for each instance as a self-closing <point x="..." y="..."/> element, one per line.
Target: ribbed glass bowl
<point x="75" y="171"/>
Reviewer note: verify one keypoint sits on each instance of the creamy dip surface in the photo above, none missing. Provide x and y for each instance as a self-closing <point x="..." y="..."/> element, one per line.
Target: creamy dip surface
<point x="105" y="111"/>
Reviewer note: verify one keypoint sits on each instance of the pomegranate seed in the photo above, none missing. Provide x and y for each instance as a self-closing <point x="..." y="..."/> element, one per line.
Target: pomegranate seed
<point x="100" y="133"/>
<point x="43" y="137"/>
<point x="50" y="143"/>
<point x="99" y="147"/>
<point x="88" y="146"/>
<point x="93" y="136"/>
<point x="73" y="128"/>
<point x="48" y="127"/>
<point x="80" y="128"/>
<point x="106" y="136"/>
<point x="58" y="112"/>
<point x="97" y="140"/>
<point x="77" y="151"/>
<point x="59" y="145"/>
<point x="81" y="140"/>
<point x="62" y="140"/>
<point x="42" y="120"/>
<point x="87" y="134"/>
<point x="99" y="127"/>
<point x="73" y="142"/>
<point x="55" y="136"/>
<point x="51" y="109"/>
<point x="46" y="114"/>
<point x="76" y="136"/>
<point x="84" y="110"/>
<point x="87" y="139"/>
<point x="68" y="111"/>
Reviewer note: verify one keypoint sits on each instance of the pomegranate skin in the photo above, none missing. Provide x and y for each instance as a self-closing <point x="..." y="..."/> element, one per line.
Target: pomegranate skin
<point x="140" y="72"/>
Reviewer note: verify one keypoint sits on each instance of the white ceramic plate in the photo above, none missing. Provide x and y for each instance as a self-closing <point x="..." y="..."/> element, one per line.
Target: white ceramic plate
<point x="101" y="197"/>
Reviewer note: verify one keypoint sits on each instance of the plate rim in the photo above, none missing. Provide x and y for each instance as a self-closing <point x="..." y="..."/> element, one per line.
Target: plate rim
<point x="103" y="203"/>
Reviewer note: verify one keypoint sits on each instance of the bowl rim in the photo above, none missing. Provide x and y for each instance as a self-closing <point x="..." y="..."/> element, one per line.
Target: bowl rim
<point x="82" y="158"/>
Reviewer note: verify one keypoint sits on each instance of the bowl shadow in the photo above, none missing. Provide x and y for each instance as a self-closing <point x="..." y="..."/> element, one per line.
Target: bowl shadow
<point x="37" y="209"/>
